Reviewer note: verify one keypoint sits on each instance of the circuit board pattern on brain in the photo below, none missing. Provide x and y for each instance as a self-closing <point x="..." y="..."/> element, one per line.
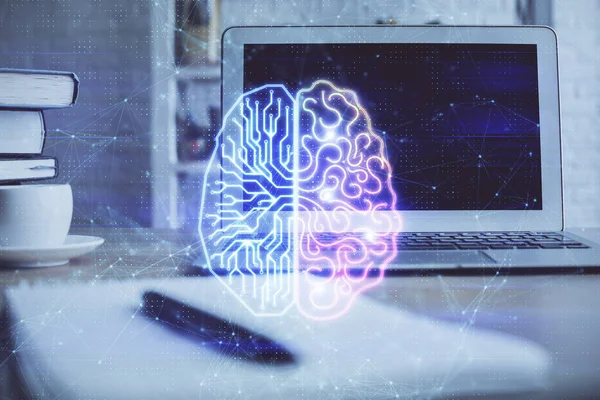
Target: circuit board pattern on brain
<point x="247" y="203"/>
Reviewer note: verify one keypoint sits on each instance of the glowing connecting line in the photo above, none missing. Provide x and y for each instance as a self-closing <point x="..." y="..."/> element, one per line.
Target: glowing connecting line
<point x="297" y="206"/>
<point x="246" y="207"/>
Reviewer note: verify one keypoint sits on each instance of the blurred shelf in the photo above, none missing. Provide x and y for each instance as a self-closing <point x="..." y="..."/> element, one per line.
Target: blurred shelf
<point x="199" y="72"/>
<point x="177" y="180"/>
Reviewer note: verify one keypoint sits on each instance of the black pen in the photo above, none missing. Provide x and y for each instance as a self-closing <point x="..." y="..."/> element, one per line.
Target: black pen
<point x="225" y="337"/>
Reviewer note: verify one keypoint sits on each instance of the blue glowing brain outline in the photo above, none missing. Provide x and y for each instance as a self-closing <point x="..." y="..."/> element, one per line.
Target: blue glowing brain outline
<point x="286" y="172"/>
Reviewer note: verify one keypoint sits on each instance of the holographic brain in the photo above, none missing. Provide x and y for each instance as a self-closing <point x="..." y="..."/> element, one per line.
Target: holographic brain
<point x="297" y="203"/>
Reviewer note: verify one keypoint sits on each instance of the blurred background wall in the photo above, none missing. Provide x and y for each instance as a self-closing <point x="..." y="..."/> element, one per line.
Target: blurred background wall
<point x="104" y="144"/>
<point x="576" y="24"/>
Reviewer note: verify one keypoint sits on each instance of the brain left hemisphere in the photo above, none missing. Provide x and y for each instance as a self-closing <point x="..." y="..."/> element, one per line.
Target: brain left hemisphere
<point x="256" y="182"/>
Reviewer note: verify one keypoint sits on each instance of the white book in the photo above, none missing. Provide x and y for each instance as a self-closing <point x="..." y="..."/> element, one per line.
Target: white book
<point x="27" y="169"/>
<point x="21" y="132"/>
<point x="36" y="89"/>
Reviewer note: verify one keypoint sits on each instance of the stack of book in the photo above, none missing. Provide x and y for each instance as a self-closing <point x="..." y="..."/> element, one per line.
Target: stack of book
<point x="24" y="94"/>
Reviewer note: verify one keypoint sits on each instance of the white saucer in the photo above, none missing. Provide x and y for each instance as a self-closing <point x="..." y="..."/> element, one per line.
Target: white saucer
<point x="29" y="257"/>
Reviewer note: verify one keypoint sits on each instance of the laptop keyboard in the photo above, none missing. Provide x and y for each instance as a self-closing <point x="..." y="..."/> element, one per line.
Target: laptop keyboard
<point x="477" y="241"/>
<point x="486" y="241"/>
<point x="466" y="240"/>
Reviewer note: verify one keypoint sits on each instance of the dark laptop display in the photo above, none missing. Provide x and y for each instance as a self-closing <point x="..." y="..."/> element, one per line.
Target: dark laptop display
<point x="460" y="121"/>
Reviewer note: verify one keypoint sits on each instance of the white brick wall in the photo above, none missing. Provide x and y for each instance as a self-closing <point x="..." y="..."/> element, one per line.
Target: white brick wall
<point x="576" y="24"/>
<point x="332" y="12"/>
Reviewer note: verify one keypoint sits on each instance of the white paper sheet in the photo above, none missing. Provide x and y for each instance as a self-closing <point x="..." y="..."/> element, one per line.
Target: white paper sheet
<point x="91" y="342"/>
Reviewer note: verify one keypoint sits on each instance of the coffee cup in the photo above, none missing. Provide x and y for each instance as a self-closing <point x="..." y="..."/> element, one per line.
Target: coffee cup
<point x="35" y="216"/>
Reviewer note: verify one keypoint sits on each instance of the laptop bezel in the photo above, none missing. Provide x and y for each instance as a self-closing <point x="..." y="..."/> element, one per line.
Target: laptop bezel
<point x="550" y="218"/>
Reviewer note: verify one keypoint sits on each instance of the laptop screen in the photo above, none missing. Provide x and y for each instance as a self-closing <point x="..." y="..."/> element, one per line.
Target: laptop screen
<point x="460" y="121"/>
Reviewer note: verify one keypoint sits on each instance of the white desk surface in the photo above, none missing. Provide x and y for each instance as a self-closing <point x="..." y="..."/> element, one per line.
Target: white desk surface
<point x="559" y="310"/>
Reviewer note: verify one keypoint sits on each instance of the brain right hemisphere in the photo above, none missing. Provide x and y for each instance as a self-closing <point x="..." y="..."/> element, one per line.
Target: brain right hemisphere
<point x="343" y="189"/>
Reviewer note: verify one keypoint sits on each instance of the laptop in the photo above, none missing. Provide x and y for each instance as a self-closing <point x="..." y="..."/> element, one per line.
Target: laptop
<point x="471" y="124"/>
